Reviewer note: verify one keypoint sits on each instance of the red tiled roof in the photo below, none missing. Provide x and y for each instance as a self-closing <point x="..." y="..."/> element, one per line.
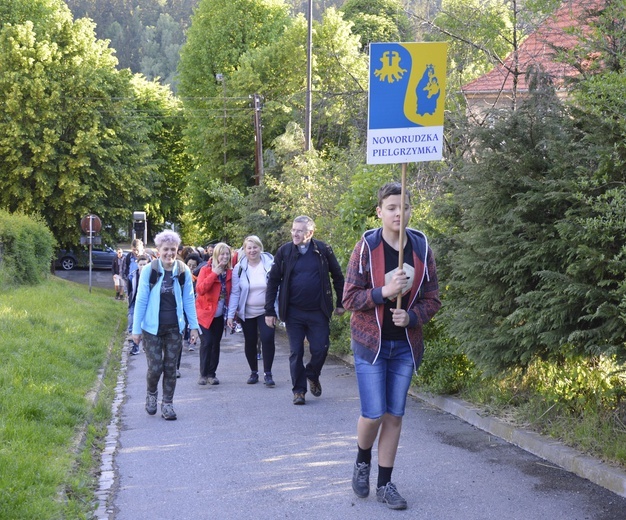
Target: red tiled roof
<point x="538" y="49"/>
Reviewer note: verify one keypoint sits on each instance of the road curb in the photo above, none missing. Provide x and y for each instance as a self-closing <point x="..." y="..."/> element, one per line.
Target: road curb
<point x="108" y="475"/>
<point x="613" y="479"/>
<point x="598" y="472"/>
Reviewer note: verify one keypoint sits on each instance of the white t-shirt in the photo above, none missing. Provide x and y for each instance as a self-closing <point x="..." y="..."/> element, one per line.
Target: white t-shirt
<point x="255" y="303"/>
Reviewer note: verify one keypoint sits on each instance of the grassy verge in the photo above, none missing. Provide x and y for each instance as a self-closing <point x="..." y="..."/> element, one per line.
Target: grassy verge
<point x="55" y="339"/>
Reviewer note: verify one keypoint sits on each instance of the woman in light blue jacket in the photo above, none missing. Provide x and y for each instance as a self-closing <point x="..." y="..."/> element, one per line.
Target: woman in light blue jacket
<point x="164" y="297"/>
<point x="247" y="300"/>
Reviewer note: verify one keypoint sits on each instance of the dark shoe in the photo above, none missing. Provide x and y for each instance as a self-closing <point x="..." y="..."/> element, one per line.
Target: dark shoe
<point x="268" y="379"/>
<point x="389" y="495"/>
<point x="253" y="379"/>
<point x="315" y="387"/>
<point x="151" y="403"/>
<point x="361" y="479"/>
<point x="298" y="399"/>
<point x="167" y="412"/>
<point x="177" y="374"/>
<point x="134" y="349"/>
<point x="213" y="380"/>
<point x="202" y="380"/>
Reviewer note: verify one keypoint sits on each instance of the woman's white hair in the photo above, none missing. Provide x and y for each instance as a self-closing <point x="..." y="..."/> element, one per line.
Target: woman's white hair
<point x="168" y="236"/>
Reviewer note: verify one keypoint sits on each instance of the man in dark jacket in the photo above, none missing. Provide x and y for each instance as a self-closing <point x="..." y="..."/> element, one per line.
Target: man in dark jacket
<point x="117" y="266"/>
<point x="300" y="276"/>
<point x="129" y="267"/>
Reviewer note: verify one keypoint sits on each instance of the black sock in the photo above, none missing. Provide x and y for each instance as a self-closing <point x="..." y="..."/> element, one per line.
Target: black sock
<point x="364" y="455"/>
<point x="384" y="475"/>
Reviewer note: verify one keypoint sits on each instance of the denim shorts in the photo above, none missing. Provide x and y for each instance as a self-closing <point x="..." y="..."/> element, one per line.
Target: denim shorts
<point x="384" y="385"/>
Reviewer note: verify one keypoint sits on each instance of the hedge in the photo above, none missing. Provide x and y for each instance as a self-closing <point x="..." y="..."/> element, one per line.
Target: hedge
<point x="27" y="249"/>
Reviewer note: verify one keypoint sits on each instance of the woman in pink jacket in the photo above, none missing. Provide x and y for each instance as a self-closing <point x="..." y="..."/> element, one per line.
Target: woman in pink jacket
<point x="212" y="294"/>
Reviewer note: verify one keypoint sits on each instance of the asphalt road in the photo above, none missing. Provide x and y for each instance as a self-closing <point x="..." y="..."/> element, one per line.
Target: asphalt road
<point x="245" y="451"/>
<point x="99" y="277"/>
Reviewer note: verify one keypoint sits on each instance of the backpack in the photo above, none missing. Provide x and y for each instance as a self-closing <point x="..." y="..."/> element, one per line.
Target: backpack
<point x="154" y="273"/>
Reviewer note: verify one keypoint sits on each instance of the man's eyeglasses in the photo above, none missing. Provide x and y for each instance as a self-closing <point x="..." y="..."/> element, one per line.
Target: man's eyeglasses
<point x="298" y="231"/>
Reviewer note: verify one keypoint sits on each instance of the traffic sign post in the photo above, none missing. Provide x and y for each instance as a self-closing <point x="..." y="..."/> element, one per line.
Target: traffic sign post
<point x="91" y="225"/>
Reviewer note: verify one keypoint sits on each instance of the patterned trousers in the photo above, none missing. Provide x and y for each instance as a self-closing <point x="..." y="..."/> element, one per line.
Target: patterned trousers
<point x="162" y="353"/>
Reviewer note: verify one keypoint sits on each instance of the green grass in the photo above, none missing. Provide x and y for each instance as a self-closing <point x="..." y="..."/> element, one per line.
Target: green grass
<point x="55" y="339"/>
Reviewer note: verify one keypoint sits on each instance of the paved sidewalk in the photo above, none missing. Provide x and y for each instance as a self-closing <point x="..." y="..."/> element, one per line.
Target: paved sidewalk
<point x="239" y="451"/>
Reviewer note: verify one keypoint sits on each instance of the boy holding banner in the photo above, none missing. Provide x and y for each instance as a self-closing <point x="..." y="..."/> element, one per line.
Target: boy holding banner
<point x="392" y="290"/>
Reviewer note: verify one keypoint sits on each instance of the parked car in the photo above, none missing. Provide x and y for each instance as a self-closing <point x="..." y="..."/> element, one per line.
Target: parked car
<point x="101" y="258"/>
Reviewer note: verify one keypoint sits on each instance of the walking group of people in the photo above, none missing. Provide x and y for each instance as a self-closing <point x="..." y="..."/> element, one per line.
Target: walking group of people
<point x="390" y="301"/>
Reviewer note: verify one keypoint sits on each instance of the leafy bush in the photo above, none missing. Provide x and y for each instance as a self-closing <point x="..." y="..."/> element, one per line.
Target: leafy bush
<point x="444" y="370"/>
<point x="340" y="334"/>
<point x="579" y="384"/>
<point x="26" y="249"/>
<point x="576" y="400"/>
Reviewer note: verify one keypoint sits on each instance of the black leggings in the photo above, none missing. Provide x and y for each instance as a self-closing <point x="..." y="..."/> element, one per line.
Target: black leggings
<point x="252" y="328"/>
<point x="210" y="347"/>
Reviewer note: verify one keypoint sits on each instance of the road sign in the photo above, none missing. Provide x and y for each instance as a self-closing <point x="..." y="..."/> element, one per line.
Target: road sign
<point x="88" y="240"/>
<point x="406" y="102"/>
<point x="91" y="224"/>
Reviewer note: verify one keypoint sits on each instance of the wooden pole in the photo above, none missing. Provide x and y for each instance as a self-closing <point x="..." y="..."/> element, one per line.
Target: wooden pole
<point x="90" y="247"/>
<point x="402" y="225"/>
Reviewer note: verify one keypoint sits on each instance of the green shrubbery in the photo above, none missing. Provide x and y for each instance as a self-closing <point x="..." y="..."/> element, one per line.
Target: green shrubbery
<point x="444" y="369"/>
<point x="26" y="249"/>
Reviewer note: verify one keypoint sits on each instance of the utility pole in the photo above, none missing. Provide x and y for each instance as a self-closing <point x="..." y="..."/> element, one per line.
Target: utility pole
<point x="220" y="77"/>
<point x="258" y="141"/>
<point x="308" y="102"/>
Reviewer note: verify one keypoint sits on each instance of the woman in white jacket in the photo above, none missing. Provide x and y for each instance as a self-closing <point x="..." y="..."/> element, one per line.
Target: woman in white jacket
<point x="247" y="300"/>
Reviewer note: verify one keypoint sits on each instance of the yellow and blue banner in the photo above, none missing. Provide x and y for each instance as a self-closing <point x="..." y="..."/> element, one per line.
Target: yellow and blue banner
<point x="406" y="102"/>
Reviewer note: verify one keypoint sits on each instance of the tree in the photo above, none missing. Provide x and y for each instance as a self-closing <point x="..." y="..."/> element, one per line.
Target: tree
<point x="378" y="21"/>
<point x="71" y="140"/>
<point x="339" y="81"/>
<point x="482" y="34"/>
<point x="590" y="287"/>
<point x="538" y="262"/>
<point x="220" y="33"/>
<point x="161" y="50"/>
<point x="42" y="12"/>
<point x="275" y="71"/>
<point x="601" y="45"/>
<point x="510" y="199"/>
<point x="146" y="34"/>
<point x="163" y="116"/>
